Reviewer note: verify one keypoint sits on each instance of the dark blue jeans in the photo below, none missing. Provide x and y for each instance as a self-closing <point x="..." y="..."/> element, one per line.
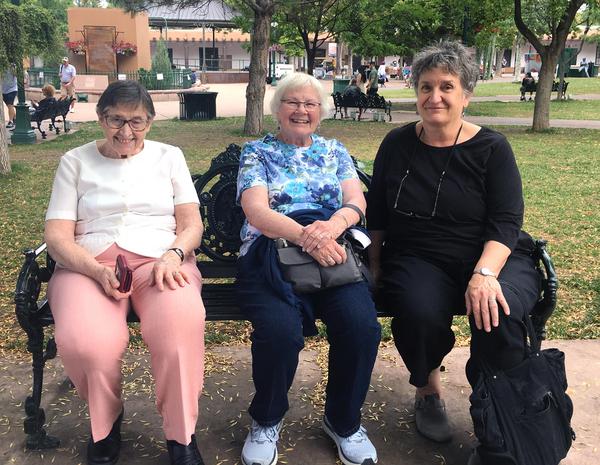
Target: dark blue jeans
<point x="353" y="333"/>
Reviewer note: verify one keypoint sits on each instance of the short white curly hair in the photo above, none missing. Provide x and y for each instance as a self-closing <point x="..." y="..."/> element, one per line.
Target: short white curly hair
<point x="293" y="81"/>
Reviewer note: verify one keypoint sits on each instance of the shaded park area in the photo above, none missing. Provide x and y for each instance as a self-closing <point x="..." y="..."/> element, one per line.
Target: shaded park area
<point x="561" y="178"/>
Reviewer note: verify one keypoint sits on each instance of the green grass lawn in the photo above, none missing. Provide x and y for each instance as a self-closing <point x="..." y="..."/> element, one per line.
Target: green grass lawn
<point x="491" y="89"/>
<point x="564" y="109"/>
<point x="567" y="109"/>
<point x="560" y="171"/>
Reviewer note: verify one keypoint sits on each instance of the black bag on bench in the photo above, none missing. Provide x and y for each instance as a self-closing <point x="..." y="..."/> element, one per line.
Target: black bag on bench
<point x="522" y="416"/>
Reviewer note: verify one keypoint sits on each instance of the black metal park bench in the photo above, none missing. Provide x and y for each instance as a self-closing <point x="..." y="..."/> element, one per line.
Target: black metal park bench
<point x="216" y="260"/>
<point x="60" y="108"/>
<point x="362" y="102"/>
<point x="532" y="88"/>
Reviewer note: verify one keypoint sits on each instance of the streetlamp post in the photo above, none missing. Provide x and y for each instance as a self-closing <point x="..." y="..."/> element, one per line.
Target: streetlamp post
<point x="23" y="133"/>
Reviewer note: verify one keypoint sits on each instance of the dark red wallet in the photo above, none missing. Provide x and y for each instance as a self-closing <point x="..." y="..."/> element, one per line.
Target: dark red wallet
<point x="124" y="274"/>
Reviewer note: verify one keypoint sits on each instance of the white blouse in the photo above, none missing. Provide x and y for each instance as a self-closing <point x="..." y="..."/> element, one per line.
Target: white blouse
<point x="130" y="202"/>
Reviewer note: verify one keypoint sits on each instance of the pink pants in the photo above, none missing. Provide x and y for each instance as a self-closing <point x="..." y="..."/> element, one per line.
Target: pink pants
<point x="92" y="335"/>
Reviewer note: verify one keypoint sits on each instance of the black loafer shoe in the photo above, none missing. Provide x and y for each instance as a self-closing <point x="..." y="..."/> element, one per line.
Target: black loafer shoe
<point x="184" y="455"/>
<point x="106" y="451"/>
<point x="431" y="418"/>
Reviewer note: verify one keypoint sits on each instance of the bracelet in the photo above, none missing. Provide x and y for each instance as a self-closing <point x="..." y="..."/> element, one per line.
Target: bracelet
<point x="178" y="251"/>
<point x="343" y="217"/>
<point x="358" y="211"/>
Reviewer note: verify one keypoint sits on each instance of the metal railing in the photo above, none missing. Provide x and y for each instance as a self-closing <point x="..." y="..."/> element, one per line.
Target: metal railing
<point x="173" y="79"/>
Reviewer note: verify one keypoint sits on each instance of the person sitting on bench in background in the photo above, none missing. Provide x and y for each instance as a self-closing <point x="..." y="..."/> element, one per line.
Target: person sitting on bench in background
<point x="48" y="92"/>
<point x="352" y="92"/>
<point x="527" y="85"/>
<point x="125" y="195"/>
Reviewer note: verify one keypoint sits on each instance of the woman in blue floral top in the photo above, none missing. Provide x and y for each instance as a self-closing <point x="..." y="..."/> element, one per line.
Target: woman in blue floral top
<point x="292" y="174"/>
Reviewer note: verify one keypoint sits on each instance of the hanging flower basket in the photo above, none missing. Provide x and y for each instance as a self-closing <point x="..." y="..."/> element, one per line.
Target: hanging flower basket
<point x="77" y="47"/>
<point x="125" y="48"/>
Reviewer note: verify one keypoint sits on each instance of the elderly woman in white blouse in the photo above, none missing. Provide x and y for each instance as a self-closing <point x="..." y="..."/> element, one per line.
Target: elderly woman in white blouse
<point x="128" y="196"/>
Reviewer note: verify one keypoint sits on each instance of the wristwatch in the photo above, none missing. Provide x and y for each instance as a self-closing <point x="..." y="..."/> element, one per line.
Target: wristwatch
<point x="485" y="272"/>
<point x="178" y="251"/>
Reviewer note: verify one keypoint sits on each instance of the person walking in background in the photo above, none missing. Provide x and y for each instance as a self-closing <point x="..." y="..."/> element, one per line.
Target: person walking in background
<point x="373" y="83"/>
<point x="67" y="73"/>
<point x="381" y="75"/>
<point x="361" y="78"/>
<point x="9" y="93"/>
<point x="583" y="67"/>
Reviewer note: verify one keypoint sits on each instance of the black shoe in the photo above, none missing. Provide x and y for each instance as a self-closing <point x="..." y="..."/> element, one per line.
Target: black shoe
<point x="431" y="418"/>
<point x="106" y="451"/>
<point x="184" y="455"/>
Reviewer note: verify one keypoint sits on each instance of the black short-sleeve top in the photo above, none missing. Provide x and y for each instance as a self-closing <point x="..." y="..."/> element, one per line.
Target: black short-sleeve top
<point x="480" y="197"/>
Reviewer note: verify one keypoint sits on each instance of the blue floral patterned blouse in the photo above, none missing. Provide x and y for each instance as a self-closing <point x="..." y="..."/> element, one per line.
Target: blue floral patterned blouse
<point x="295" y="177"/>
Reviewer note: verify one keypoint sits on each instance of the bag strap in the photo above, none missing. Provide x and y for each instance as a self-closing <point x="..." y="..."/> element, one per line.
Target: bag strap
<point x="530" y="340"/>
<point x="361" y="215"/>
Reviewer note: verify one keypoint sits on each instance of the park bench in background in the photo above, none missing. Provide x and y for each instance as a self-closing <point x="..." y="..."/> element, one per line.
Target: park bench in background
<point x="216" y="260"/>
<point x="531" y="88"/>
<point x="60" y="108"/>
<point x="363" y="102"/>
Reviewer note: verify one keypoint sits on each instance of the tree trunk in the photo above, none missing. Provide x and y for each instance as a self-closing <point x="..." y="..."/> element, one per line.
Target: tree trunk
<point x="517" y="49"/>
<point x="543" y="93"/>
<point x="499" y="57"/>
<point x="255" y="92"/>
<point x="339" y="53"/>
<point x="4" y="155"/>
<point x="310" y="60"/>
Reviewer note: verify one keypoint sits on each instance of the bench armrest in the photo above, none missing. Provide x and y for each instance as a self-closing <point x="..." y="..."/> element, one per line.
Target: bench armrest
<point x="28" y="288"/>
<point x="547" y="303"/>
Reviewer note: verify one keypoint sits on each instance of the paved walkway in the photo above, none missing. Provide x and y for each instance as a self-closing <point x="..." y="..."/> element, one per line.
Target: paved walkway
<point x="222" y="427"/>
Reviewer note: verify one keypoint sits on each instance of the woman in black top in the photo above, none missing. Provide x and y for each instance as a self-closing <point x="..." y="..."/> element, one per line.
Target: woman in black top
<point x="48" y="92"/>
<point x="445" y="211"/>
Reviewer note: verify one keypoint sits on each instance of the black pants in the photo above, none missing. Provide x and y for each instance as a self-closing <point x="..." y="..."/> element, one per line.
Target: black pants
<point x="424" y="296"/>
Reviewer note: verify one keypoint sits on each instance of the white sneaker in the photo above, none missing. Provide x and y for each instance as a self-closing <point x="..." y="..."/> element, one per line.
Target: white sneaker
<point x="353" y="450"/>
<point x="72" y="110"/>
<point x="260" y="446"/>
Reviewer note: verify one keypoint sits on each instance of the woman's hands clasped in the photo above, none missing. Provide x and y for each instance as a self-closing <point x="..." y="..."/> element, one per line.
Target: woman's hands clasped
<point x="167" y="270"/>
<point x="319" y="233"/>
<point x="483" y="297"/>
<point x="319" y="240"/>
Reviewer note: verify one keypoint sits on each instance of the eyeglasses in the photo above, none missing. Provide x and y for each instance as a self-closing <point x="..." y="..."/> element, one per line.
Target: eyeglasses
<point x="295" y="105"/>
<point x="136" y="124"/>
<point x="437" y="189"/>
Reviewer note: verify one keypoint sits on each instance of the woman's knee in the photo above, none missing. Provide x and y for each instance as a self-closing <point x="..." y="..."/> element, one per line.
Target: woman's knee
<point x="92" y="348"/>
<point x="278" y="334"/>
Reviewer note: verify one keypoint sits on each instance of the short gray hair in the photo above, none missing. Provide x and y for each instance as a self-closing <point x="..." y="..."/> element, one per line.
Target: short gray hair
<point x="293" y="81"/>
<point x="128" y="94"/>
<point x="453" y="58"/>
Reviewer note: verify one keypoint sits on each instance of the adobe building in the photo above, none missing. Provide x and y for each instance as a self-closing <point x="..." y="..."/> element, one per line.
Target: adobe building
<point x="100" y="31"/>
<point x="110" y="41"/>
